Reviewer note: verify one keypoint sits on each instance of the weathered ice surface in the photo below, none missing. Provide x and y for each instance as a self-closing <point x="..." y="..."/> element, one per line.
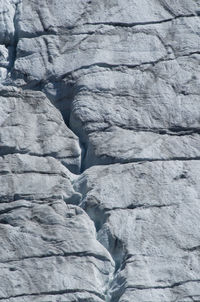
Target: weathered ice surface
<point x="99" y="151"/>
<point x="22" y="113"/>
<point x="139" y="212"/>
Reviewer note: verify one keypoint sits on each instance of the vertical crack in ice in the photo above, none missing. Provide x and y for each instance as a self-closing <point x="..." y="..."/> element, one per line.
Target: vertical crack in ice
<point x="13" y="54"/>
<point x="113" y="245"/>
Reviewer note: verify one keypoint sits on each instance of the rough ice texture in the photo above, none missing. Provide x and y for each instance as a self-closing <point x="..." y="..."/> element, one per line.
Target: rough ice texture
<point x="99" y="151"/>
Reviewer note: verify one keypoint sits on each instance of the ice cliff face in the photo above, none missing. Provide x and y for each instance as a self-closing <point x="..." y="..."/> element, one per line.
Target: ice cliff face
<point x="99" y="151"/>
